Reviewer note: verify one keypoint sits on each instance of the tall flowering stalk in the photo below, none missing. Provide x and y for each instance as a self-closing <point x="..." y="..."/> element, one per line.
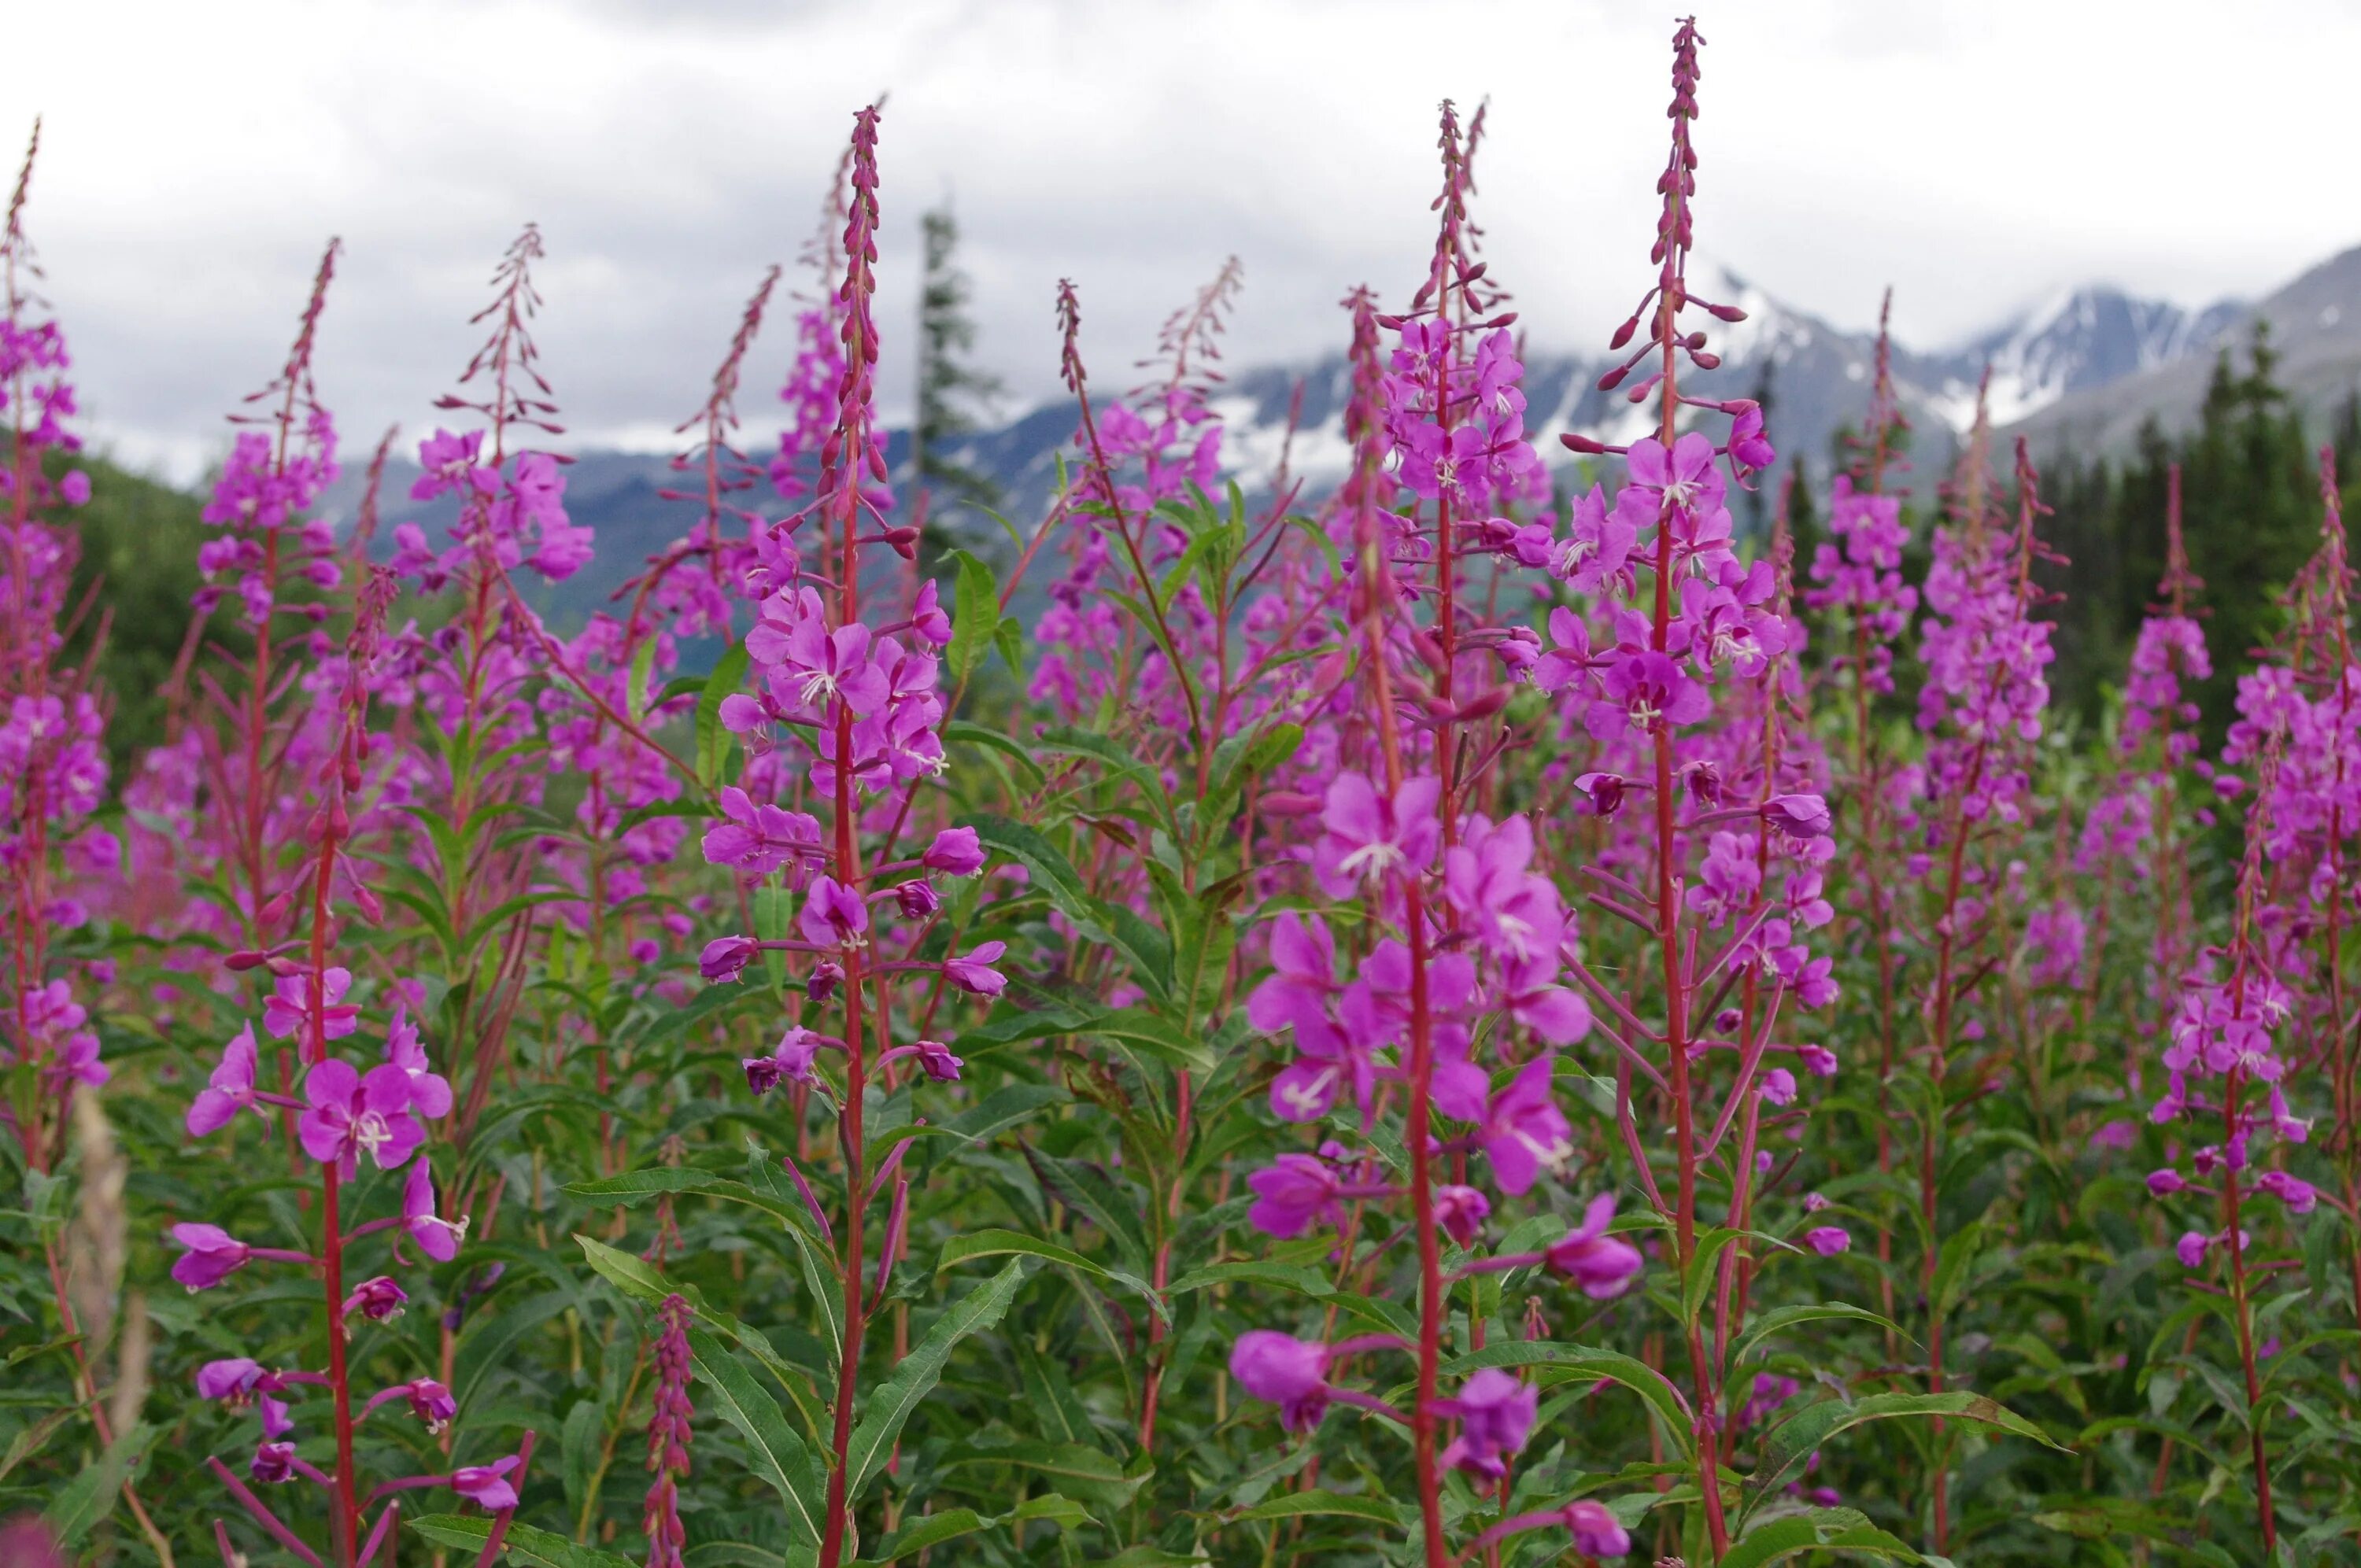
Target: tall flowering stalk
<point x="845" y="713"/>
<point x="346" y="1114"/>
<point x="1981" y="707"/>
<point x="1454" y="974"/>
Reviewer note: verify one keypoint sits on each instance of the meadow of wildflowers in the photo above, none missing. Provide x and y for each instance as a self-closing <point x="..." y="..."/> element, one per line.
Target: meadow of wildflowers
<point x="1488" y="1016"/>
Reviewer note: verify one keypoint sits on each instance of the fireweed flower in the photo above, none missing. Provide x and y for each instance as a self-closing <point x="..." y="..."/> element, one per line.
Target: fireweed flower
<point x="230" y="1089"/>
<point x="1296" y="1193"/>
<point x="378" y="1299"/>
<point x="288" y="1009"/>
<point x="790" y="1061"/>
<point x="486" y="1486"/>
<point x="1601" y="1265"/>
<point x="1369" y="836"/>
<point x="436" y="1237"/>
<point x="351" y="1113"/>
<point x="212" y="1254"/>
<point x="1286" y="1371"/>
<point x="1496" y="1415"/>
<point x="972" y="973"/>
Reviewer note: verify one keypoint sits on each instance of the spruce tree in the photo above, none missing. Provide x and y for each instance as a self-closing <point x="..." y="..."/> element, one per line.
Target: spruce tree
<point x="954" y="395"/>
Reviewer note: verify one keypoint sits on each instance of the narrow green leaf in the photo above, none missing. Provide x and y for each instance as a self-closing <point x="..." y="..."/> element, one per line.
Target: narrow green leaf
<point x="1296" y="1505"/>
<point x="89" y="1497"/>
<point x="781" y="1456"/>
<point x="888" y="1408"/>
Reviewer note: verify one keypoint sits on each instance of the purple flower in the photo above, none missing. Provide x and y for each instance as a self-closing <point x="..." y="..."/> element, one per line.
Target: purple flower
<point x="1286" y="1371"/>
<point x="2191" y="1248"/>
<point x="974" y="973"/>
<point x="833" y="916"/>
<point x="2166" y="1182"/>
<point x="759" y="838"/>
<point x="726" y="958"/>
<point x="792" y="1060"/>
<point x="1797" y="815"/>
<point x="937" y="1060"/>
<point x="1496" y="1415"/>
<point x="1645" y="691"/>
<point x="486" y="1486"/>
<point x="350" y="1114"/>
<point x="1303" y="963"/>
<point x="230" y="1089"/>
<point x="1461" y="1212"/>
<point x="429" y="1091"/>
<point x="378" y="1299"/>
<point x="1524" y="1133"/>
<point x="438" y="1238"/>
<point x="431" y="1402"/>
<point x="917" y="900"/>
<point x="2298" y="1195"/>
<point x="826" y="976"/>
<point x="289" y="1006"/>
<point x="233" y="1380"/>
<point x="213" y="1255"/>
<point x="273" y="1463"/>
<point x="75" y="488"/>
<point x="448" y="462"/>
<point x="1292" y="1195"/>
<point x="1368" y="835"/>
<point x="1596" y="1532"/>
<point x="807" y="664"/>
<point x="1827" y="1240"/>
<point x="1603" y="791"/>
<point x="1600" y="1264"/>
<point x="955" y="852"/>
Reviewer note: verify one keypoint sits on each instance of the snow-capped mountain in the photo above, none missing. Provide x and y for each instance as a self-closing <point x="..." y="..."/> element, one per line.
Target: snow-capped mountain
<point x="2083" y="369"/>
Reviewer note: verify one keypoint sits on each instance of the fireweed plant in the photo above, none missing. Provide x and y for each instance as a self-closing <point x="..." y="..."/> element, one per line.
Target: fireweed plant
<point x="1449" y="1004"/>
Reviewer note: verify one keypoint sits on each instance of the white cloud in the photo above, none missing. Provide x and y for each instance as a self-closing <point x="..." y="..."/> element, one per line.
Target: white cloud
<point x="1974" y="153"/>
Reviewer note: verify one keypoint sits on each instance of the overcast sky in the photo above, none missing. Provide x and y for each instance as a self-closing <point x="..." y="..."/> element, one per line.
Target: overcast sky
<point x="1976" y="154"/>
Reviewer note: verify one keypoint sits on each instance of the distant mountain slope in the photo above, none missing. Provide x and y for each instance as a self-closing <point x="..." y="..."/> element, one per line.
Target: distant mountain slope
<point x="2085" y="368"/>
<point x="2316" y="324"/>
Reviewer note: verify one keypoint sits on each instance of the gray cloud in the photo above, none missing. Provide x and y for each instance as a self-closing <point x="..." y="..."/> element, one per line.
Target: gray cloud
<point x="1974" y="153"/>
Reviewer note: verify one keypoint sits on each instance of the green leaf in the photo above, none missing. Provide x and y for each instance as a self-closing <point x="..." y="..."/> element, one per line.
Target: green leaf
<point x="1781" y="1319"/>
<point x="89" y="1497"/>
<point x="1562" y="1360"/>
<point x="1788" y="1445"/>
<point x="1823" y="1530"/>
<point x="994" y="1243"/>
<point x="522" y="1542"/>
<point x="712" y="741"/>
<point x="1296" y="1505"/>
<point x="1696" y="1280"/>
<point x="635" y="1279"/>
<point x="780" y="1455"/>
<point x="932" y="1530"/>
<point x="889" y="1406"/>
<point x="1954" y="1264"/>
<point x="975" y="615"/>
<point x="1154" y="1033"/>
<point x="1299" y="1278"/>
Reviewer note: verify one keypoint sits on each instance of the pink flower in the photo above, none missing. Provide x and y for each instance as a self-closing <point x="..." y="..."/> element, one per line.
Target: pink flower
<point x="429" y="1091"/>
<point x="1367" y="837"/>
<point x="1496" y="1415"/>
<point x="213" y="1255"/>
<point x="1600" y="1264"/>
<point x="1596" y="1532"/>
<point x="1292" y="1195"/>
<point x="792" y="1060"/>
<point x="936" y="1060"/>
<point x="974" y="973"/>
<point x="231" y="1088"/>
<point x="1799" y="815"/>
<point x="759" y="838"/>
<point x="1461" y="1212"/>
<point x="1286" y="1371"/>
<point x="956" y="852"/>
<point x="726" y="958"/>
<point x="350" y="1114"/>
<point x="1644" y="692"/>
<point x="378" y="1299"/>
<point x="438" y="1238"/>
<point x="833" y="916"/>
<point x="1827" y="1240"/>
<point x="486" y="1486"/>
<point x="289" y="1007"/>
<point x="1524" y="1133"/>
